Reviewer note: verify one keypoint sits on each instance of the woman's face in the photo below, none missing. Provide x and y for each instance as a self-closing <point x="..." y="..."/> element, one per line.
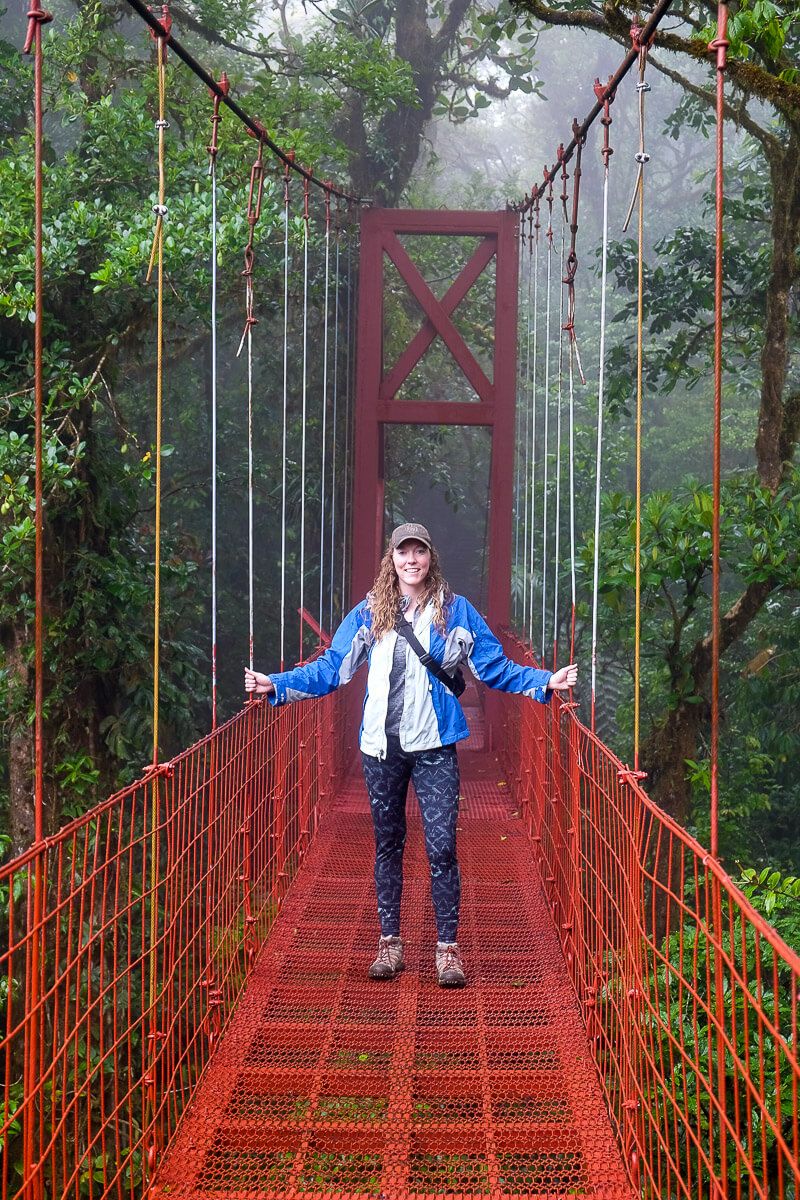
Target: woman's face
<point x="412" y="562"/>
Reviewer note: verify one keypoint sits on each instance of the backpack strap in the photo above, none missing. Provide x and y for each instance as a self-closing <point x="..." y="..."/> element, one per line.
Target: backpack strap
<point x="404" y="630"/>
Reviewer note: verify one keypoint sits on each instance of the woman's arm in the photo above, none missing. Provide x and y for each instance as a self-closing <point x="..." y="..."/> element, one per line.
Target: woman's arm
<point x="325" y="674"/>
<point x="492" y="666"/>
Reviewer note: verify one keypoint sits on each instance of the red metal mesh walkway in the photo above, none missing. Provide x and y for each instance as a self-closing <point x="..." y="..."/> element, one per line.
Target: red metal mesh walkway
<point x="327" y="1084"/>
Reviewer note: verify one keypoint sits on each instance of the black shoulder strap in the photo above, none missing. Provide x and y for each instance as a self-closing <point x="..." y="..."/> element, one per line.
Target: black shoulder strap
<point x="404" y="630"/>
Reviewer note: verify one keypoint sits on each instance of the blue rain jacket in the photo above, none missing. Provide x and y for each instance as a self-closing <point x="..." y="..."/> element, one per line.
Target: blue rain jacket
<point x="432" y="715"/>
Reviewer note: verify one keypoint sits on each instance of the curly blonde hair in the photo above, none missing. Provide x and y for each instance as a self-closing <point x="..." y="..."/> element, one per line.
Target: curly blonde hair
<point x="384" y="599"/>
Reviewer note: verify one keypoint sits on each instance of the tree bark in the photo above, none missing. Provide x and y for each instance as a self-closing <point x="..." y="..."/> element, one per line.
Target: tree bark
<point x="381" y="165"/>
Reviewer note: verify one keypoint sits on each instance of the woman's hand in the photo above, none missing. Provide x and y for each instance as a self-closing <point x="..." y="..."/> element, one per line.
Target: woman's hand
<point x="567" y="677"/>
<point x="254" y="681"/>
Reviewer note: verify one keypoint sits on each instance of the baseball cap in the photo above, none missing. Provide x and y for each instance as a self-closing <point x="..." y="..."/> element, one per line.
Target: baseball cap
<point x="404" y="533"/>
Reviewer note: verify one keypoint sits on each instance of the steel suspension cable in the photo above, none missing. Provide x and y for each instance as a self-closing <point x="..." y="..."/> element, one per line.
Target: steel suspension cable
<point x="335" y="417"/>
<point x="285" y="425"/>
<point x="607" y="97"/>
<point x="325" y="339"/>
<point x="642" y="158"/>
<point x="304" y="414"/>
<point x="546" y="423"/>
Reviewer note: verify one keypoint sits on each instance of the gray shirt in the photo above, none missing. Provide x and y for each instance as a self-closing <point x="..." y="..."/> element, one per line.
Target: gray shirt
<point x="397" y="681"/>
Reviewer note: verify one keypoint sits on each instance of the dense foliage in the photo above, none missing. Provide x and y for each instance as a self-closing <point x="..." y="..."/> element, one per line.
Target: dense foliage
<point x="352" y="93"/>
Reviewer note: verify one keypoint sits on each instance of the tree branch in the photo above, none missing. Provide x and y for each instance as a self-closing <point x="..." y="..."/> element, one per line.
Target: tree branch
<point x="732" y="625"/>
<point x="745" y="74"/>
<point x="212" y="36"/>
<point x="739" y="116"/>
<point x="450" y="27"/>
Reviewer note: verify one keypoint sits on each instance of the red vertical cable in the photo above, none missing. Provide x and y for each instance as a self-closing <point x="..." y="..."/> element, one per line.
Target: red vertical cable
<point x="719" y="44"/>
<point x="37" y="17"/>
<point x="213" y="149"/>
<point x="33" y="42"/>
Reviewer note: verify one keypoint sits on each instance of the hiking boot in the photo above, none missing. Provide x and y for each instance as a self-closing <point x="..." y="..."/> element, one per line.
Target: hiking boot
<point x="449" y="967"/>
<point x="389" y="962"/>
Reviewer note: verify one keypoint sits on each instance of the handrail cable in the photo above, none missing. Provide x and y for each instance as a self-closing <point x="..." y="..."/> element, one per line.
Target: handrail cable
<point x="646" y="34"/>
<point x="37" y="17"/>
<point x="287" y="157"/>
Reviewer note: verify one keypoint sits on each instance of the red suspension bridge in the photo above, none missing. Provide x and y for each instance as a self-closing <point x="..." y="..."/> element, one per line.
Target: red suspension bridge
<point x="184" y="991"/>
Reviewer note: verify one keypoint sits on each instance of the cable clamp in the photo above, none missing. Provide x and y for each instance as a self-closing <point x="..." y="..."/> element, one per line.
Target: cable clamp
<point x="626" y="775"/>
<point x="642" y="158"/>
<point x="160" y="210"/>
<point x="162" y="124"/>
<point x="643" y="86"/>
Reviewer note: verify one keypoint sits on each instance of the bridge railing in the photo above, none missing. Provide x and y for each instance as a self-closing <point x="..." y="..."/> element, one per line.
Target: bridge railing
<point x="689" y="997"/>
<point x="152" y="909"/>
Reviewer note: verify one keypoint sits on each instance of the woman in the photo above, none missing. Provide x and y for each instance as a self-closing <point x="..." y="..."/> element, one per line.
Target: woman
<point x="412" y="721"/>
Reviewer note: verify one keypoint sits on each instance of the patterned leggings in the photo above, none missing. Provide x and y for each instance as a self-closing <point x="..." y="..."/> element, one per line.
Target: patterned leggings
<point x="434" y="774"/>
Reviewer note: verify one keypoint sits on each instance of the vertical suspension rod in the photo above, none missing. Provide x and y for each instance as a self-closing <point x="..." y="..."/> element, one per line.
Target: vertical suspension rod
<point x="525" y="466"/>
<point x="213" y="150"/>
<point x="535" y="226"/>
<point x="720" y="44"/>
<point x="37" y="17"/>
<point x="284" y="432"/>
<point x="254" y="200"/>
<point x="305" y="407"/>
<point x="637" y="200"/>
<point x="334" y="417"/>
<point x="325" y="340"/>
<point x="546" y="409"/>
<point x="606" y="96"/>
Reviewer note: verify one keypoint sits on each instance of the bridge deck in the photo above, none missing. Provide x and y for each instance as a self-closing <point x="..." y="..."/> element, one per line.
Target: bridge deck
<point x="327" y="1084"/>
